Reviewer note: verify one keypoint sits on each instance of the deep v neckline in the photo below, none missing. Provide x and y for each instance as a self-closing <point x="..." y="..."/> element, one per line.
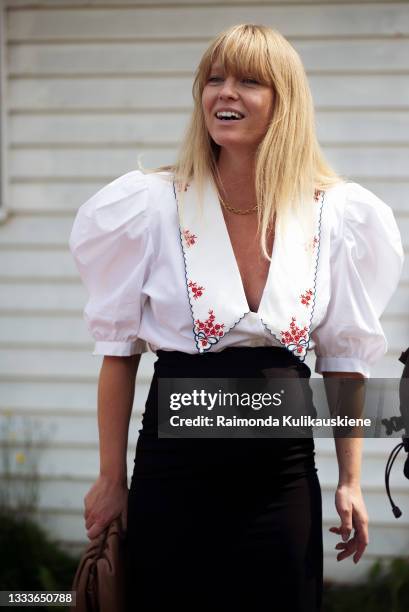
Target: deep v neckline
<point x="214" y="286"/>
<point x="220" y="220"/>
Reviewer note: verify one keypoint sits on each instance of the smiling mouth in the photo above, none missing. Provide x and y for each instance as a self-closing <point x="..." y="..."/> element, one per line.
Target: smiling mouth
<point x="229" y="116"/>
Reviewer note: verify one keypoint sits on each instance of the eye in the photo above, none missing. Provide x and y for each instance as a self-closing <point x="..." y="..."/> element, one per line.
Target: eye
<point x="214" y="78"/>
<point x="250" y="80"/>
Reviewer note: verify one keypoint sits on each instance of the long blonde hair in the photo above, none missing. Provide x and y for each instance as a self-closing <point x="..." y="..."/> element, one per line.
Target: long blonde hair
<point x="290" y="165"/>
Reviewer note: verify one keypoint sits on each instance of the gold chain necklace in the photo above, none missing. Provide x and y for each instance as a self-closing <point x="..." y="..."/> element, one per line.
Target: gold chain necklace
<point x="237" y="211"/>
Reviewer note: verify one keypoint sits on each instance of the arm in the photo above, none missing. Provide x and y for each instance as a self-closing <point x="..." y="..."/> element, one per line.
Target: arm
<point x="348" y="497"/>
<point x="116" y="391"/>
<point x="365" y="264"/>
<point x="349" y="450"/>
<point x="112" y="248"/>
<point x="108" y="497"/>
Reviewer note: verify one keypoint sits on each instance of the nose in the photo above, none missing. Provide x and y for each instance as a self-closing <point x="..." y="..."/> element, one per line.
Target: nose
<point x="228" y="89"/>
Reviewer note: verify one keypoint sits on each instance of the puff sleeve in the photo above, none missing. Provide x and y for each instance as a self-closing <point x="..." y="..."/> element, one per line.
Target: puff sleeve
<point x="365" y="266"/>
<point x="111" y="246"/>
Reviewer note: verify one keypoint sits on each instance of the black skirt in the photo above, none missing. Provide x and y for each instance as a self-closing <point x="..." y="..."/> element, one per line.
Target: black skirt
<point x="224" y="523"/>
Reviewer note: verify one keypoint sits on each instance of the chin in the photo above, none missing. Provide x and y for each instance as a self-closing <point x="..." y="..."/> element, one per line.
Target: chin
<point x="228" y="142"/>
<point x="238" y="145"/>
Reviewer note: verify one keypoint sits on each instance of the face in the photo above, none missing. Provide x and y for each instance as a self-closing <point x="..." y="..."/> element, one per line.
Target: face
<point x="252" y="101"/>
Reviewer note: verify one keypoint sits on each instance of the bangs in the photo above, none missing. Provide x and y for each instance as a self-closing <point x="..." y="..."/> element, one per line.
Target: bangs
<point x="242" y="52"/>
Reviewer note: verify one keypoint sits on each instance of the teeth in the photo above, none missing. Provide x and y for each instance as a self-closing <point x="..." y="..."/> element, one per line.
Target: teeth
<point x="228" y="115"/>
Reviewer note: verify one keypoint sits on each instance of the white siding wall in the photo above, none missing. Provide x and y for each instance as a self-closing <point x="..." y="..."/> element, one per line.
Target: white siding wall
<point x="93" y="84"/>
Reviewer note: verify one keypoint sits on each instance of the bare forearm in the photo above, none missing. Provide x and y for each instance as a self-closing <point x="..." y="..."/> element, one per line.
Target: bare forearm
<point x="349" y="455"/>
<point x="116" y="388"/>
<point x="347" y="401"/>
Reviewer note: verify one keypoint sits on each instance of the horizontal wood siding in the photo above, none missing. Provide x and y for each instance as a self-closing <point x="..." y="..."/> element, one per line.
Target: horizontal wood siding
<point x="92" y="86"/>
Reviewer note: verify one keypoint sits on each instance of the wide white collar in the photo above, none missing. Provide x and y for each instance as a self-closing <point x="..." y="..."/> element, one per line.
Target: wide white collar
<point x="213" y="281"/>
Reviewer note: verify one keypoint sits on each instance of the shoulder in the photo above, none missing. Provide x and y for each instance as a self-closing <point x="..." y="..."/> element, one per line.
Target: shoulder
<point x="131" y="197"/>
<point x="362" y="205"/>
<point x="124" y="186"/>
<point x="369" y="220"/>
<point x="161" y="192"/>
<point x="117" y="203"/>
<point x="366" y="231"/>
<point x="355" y="209"/>
<point x="117" y="210"/>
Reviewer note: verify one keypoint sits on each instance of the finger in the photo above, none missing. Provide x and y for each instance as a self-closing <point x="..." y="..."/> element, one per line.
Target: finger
<point x="95" y="519"/>
<point x="346" y="529"/>
<point x="349" y="546"/>
<point x="358" y="554"/>
<point x="349" y="549"/>
<point x="95" y="530"/>
<point x="344" y="554"/>
<point x="334" y="530"/>
<point x="343" y="545"/>
<point x="90" y="521"/>
<point x="362" y="543"/>
<point x="341" y="531"/>
<point x="345" y="514"/>
<point x="345" y="532"/>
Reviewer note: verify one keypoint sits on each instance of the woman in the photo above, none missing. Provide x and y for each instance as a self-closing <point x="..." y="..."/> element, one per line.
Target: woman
<point x="234" y="262"/>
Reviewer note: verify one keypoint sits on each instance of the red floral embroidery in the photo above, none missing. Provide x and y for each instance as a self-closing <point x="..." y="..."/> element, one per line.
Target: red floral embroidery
<point x="306" y="297"/>
<point x="208" y="332"/>
<point x="317" y="194"/>
<point x="190" y="239"/>
<point x="196" y="289"/>
<point x="312" y="245"/>
<point x="295" y="338"/>
<point x="179" y="186"/>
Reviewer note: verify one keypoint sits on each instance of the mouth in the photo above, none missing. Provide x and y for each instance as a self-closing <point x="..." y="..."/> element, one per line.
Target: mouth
<point x="229" y="116"/>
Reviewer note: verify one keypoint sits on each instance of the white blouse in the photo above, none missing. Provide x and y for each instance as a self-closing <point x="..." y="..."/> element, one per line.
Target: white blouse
<point x="158" y="279"/>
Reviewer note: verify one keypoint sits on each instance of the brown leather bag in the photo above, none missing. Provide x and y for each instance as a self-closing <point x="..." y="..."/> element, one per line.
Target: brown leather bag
<point x="99" y="581"/>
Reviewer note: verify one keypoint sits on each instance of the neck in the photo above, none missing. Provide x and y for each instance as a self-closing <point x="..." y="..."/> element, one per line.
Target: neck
<point x="237" y="166"/>
<point x="237" y="172"/>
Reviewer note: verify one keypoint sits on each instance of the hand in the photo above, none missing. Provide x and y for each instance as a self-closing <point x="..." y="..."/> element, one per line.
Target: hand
<point x="105" y="500"/>
<point x="352" y="511"/>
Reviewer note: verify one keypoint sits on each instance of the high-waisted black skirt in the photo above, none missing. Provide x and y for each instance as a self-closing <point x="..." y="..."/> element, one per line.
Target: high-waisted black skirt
<point x="224" y="523"/>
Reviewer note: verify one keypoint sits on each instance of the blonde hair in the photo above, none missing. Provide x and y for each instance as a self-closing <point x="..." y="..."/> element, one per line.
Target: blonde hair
<point x="289" y="164"/>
